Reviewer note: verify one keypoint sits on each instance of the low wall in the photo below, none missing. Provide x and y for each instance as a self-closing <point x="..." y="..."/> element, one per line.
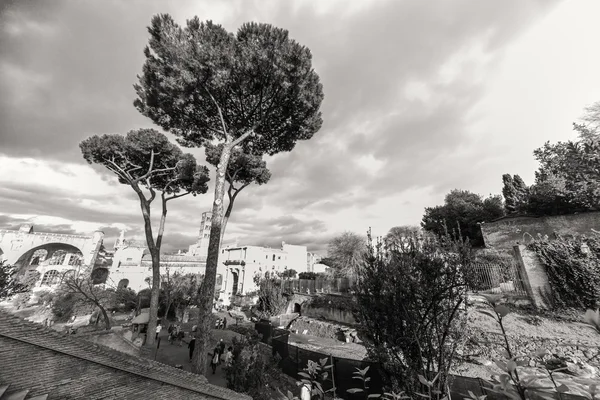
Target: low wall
<point x="505" y="233"/>
<point x="329" y="314"/>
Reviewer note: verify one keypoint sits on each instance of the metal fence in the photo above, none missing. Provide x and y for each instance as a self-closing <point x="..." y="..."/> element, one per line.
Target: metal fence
<point x="314" y="286"/>
<point x="294" y="359"/>
<point x="497" y="278"/>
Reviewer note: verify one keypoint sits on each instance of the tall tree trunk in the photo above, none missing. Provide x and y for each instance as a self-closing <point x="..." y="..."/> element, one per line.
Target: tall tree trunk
<point x="105" y="315"/>
<point x="227" y="215"/>
<point x="155" y="285"/>
<point x="207" y="289"/>
<point x="154" y="296"/>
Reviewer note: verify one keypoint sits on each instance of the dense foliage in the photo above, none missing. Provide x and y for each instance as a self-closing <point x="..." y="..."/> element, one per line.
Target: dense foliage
<point x="399" y="234"/>
<point x="411" y="302"/>
<point x="251" y="372"/>
<point x="255" y="90"/>
<point x="516" y="194"/>
<point x="152" y="166"/>
<point x="573" y="269"/>
<point x="462" y="212"/>
<point x="10" y="285"/>
<point x="568" y="177"/>
<point x="271" y="298"/>
<point x="346" y="253"/>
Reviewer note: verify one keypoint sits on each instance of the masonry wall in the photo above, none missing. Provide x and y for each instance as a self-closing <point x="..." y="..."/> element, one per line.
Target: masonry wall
<point x="504" y="234"/>
<point x="42" y="371"/>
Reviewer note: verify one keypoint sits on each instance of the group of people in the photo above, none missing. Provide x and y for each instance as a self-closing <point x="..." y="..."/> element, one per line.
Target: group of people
<point x="175" y="333"/>
<point x="221" y="323"/>
<point x="218" y="356"/>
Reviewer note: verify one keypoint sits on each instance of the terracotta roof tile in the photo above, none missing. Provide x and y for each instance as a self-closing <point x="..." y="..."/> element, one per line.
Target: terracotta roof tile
<point x="34" y="334"/>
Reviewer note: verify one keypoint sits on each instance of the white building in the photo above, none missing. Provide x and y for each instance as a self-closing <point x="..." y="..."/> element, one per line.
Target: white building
<point x="241" y="265"/>
<point x="132" y="264"/>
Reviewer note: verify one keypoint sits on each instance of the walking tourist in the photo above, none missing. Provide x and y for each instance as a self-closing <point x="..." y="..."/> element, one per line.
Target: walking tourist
<point x="221" y="349"/>
<point x="158" y="329"/>
<point x="224" y="323"/>
<point x="229" y="357"/>
<point x="215" y="360"/>
<point x="191" y="347"/>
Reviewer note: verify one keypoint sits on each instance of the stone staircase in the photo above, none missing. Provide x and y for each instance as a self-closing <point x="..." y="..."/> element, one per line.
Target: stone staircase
<point x="7" y="394"/>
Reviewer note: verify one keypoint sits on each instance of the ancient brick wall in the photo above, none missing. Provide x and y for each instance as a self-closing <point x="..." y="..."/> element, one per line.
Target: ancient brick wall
<point x="505" y="233"/>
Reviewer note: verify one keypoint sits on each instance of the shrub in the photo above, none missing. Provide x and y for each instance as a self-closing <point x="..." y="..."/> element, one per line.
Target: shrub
<point x="63" y="306"/>
<point x="573" y="269"/>
<point x="332" y="301"/>
<point x="307" y="275"/>
<point x="411" y="301"/>
<point x="271" y="300"/>
<point x="45" y="296"/>
<point x="244" y="330"/>
<point x="251" y="372"/>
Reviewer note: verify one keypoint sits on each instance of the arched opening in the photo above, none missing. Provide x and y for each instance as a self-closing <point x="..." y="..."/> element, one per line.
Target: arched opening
<point x="38" y="256"/>
<point x="58" y="257"/>
<point x="297" y="309"/>
<point x="49" y="254"/>
<point x="123" y="283"/>
<point x="50" y="278"/>
<point x="234" y="289"/>
<point x="99" y="275"/>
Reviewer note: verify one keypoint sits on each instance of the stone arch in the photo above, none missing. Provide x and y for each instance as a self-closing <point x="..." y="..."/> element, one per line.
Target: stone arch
<point x="123" y="283"/>
<point x="54" y="253"/>
<point x="50" y="278"/>
<point x="297" y="308"/>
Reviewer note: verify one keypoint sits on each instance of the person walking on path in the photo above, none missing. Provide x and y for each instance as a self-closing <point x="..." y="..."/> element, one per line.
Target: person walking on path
<point x="221" y="349"/>
<point x="215" y="360"/>
<point x="191" y="347"/>
<point x="229" y="357"/>
<point x="224" y="323"/>
<point x="158" y="329"/>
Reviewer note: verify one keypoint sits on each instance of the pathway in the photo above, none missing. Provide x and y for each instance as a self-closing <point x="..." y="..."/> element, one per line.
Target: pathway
<point x="173" y="354"/>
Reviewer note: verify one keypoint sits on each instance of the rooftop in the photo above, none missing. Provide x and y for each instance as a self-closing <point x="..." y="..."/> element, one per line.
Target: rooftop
<point x="17" y="334"/>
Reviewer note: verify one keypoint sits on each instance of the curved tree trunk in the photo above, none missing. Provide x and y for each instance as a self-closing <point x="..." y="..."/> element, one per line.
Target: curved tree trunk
<point x="105" y="315"/>
<point x="207" y="289"/>
<point x="226" y="218"/>
<point x="155" y="284"/>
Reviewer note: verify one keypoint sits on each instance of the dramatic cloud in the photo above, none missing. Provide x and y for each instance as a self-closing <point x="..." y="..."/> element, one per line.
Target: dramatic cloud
<point x="410" y="110"/>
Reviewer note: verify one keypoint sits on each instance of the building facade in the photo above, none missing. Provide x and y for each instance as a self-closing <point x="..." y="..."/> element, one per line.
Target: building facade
<point x="242" y="266"/>
<point x="132" y="264"/>
<point x="43" y="258"/>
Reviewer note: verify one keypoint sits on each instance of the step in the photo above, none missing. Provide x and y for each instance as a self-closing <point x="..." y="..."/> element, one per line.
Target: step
<point x="40" y="397"/>
<point x="20" y="395"/>
<point x="3" y="389"/>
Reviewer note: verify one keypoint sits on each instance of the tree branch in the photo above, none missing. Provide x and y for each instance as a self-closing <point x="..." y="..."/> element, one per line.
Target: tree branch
<point x="225" y="132"/>
<point x="152" y="191"/>
<point x="176" y="196"/>
<point x="118" y="170"/>
<point x="243" y="137"/>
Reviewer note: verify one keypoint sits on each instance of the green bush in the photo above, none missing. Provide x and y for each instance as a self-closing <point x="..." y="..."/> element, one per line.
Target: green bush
<point x="251" y="371"/>
<point x="573" y="269"/>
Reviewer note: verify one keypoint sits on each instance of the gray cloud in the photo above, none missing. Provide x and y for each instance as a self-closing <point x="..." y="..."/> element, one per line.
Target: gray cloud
<point x="76" y="80"/>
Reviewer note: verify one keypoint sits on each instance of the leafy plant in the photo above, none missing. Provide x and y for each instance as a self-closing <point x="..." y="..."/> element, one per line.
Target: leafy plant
<point x="517" y="384"/>
<point x="573" y="269"/>
<point x="412" y="303"/>
<point x="9" y="284"/>
<point x="361" y="375"/>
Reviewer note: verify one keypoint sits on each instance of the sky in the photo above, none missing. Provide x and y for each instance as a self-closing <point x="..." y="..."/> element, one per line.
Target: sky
<point x="420" y="98"/>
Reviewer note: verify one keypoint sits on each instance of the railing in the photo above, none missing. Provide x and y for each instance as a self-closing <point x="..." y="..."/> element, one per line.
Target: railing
<point x="496" y="278"/>
<point x="314" y="286"/>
